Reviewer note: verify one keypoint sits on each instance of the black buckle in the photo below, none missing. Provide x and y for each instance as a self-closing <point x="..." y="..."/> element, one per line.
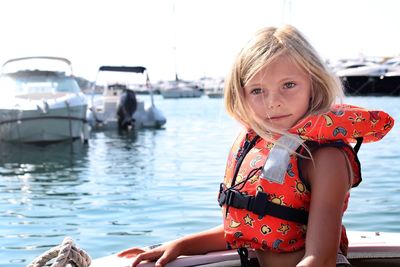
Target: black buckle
<point x="234" y="199"/>
<point x="222" y="194"/>
<point x="258" y="205"/>
<point x="239" y="200"/>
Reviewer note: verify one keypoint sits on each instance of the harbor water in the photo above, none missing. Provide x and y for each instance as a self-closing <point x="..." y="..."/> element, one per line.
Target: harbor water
<point x="146" y="187"/>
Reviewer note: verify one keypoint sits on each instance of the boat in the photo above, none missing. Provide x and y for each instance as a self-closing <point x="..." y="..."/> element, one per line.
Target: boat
<point x="371" y="85"/>
<point x="344" y="66"/>
<point x="179" y="89"/>
<point x="213" y="87"/>
<point x="41" y="101"/>
<point x="116" y="107"/>
<point x="365" y="249"/>
<point x="215" y="94"/>
<point x="373" y="79"/>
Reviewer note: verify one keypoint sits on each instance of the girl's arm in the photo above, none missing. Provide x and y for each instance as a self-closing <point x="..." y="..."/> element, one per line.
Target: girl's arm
<point x="199" y="243"/>
<point x="329" y="179"/>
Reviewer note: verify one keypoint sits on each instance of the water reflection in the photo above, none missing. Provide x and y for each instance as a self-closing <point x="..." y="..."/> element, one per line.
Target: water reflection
<point x="39" y="184"/>
<point x="38" y="169"/>
<point x="34" y="157"/>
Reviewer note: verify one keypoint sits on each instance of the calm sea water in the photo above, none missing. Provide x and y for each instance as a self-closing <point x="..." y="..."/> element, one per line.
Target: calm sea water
<point x="125" y="189"/>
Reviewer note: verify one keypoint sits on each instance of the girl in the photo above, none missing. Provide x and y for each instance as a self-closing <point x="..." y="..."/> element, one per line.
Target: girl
<point x="289" y="172"/>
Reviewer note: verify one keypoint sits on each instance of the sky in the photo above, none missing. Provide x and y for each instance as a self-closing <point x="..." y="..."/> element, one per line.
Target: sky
<point x="193" y="38"/>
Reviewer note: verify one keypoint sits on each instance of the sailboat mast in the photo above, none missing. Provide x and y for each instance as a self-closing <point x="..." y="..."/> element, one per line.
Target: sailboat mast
<point x="174" y="41"/>
<point x="286" y="12"/>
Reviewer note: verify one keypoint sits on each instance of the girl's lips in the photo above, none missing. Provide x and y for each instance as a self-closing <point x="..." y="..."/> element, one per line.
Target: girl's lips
<point x="279" y="117"/>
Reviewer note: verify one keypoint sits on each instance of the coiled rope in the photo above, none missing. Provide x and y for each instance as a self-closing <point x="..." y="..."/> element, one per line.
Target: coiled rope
<point x="64" y="254"/>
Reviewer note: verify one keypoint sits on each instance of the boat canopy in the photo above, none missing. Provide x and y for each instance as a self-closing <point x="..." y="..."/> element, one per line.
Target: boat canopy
<point x="137" y="69"/>
<point x="38" y="57"/>
<point x="34" y="63"/>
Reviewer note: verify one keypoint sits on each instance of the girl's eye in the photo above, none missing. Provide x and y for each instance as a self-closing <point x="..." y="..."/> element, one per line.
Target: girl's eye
<point x="256" y="91"/>
<point x="289" y="85"/>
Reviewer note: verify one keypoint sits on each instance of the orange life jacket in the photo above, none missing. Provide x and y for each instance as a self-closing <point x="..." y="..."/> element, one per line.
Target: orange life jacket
<point x="265" y="199"/>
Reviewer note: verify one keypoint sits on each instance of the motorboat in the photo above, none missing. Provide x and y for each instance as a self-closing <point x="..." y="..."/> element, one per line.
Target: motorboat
<point x="365" y="249"/>
<point x="342" y="68"/>
<point x="374" y="79"/>
<point x="179" y="89"/>
<point x="213" y="87"/>
<point x="117" y="107"/>
<point x="371" y="69"/>
<point x="41" y="101"/>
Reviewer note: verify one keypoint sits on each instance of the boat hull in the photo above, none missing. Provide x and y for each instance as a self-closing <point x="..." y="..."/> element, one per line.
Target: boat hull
<point x="44" y="124"/>
<point x="215" y="95"/>
<point x="371" y="85"/>
<point x="103" y="115"/>
<point x="180" y="93"/>
<point x="365" y="249"/>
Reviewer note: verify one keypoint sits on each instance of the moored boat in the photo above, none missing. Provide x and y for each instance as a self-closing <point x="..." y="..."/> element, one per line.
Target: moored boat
<point x="41" y="104"/>
<point x="365" y="85"/>
<point x="179" y="89"/>
<point x="213" y="87"/>
<point x="372" y="79"/>
<point x="117" y="106"/>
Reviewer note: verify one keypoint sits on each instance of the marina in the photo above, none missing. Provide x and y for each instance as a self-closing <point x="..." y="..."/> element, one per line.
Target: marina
<point x="140" y="188"/>
<point x="94" y="164"/>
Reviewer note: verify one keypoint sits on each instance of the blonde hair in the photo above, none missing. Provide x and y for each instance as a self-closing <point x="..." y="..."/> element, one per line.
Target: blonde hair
<point x="267" y="45"/>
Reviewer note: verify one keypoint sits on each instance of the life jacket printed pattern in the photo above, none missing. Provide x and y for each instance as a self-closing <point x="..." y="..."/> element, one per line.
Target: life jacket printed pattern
<point x="245" y="229"/>
<point x="345" y="122"/>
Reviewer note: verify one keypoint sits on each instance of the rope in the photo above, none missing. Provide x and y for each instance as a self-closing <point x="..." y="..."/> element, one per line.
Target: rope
<point x="64" y="254"/>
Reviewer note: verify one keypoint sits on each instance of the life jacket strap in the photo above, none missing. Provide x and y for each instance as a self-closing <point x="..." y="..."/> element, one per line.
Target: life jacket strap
<point x="358" y="144"/>
<point x="260" y="205"/>
<point x="244" y="257"/>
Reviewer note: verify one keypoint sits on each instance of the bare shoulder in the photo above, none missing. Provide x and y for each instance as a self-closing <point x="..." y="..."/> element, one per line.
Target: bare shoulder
<point x="329" y="157"/>
<point x="328" y="163"/>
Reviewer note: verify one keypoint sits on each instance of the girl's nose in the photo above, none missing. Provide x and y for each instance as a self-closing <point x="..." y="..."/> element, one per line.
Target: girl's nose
<point x="275" y="100"/>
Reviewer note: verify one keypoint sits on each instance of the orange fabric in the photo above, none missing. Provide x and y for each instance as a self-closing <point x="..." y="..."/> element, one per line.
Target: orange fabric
<point x="243" y="228"/>
<point x="345" y="122"/>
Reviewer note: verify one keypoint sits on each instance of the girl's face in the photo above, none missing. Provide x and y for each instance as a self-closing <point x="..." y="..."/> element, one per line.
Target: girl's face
<point x="279" y="93"/>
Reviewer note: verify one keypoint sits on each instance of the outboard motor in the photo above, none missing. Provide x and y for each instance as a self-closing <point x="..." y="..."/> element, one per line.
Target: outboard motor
<point x="126" y="108"/>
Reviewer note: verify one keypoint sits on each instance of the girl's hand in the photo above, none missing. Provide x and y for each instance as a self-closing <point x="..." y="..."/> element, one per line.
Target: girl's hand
<point x="199" y="243"/>
<point x="162" y="254"/>
<point x="130" y="252"/>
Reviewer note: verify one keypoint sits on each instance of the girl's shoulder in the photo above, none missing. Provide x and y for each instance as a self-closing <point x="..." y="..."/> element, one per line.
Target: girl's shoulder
<point x="327" y="162"/>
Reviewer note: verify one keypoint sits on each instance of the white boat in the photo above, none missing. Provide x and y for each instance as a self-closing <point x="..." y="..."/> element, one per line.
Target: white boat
<point x="365" y="249"/>
<point x="349" y="64"/>
<point x="215" y="94"/>
<point x="213" y="87"/>
<point x="40" y="104"/>
<point x="179" y="89"/>
<point x="389" y="66"/>
<point x="117" y="106"/>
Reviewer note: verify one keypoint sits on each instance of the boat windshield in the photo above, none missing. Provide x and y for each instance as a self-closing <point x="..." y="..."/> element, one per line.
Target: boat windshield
<point x="38" y="82"/>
